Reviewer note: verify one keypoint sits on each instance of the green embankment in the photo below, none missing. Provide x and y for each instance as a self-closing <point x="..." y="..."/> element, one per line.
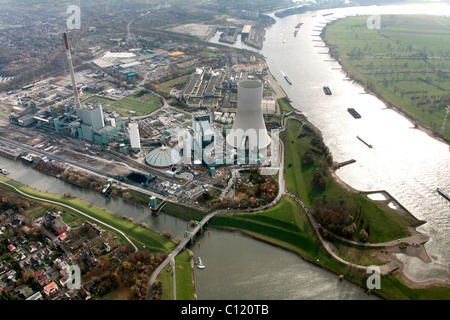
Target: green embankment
<point x="284" y="225"/>
<point x="285" y="107"/>
<point x="184" y="279"/>
<point x="173" y="209"/>
<point x="184" y="276"/>
<point x="139" y="235"/>
<point x="405" y="62"/>
<point x="287" y="226"/>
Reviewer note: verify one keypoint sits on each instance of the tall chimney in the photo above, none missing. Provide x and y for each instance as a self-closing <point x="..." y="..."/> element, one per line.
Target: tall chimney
<point x="72" y="74"/>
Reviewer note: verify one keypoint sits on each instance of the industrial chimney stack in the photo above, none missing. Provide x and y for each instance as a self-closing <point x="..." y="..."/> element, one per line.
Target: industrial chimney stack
<point x="72" y="75"/>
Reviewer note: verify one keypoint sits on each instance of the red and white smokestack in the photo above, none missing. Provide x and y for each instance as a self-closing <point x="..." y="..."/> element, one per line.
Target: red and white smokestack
<point x="72" y="74"/>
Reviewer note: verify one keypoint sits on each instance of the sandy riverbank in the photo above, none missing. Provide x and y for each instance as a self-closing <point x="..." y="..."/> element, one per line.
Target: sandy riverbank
<point x="413" y="250"/>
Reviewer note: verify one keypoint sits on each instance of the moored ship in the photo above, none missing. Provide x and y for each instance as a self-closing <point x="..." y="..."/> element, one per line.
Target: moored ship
<point x="288" y="80"/>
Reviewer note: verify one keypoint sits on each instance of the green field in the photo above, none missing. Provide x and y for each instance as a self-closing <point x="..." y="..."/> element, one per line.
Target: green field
<point x="285" y="107"/>
<point x="285" y="225"/>
<point x="178" y="83"/>
<point x="138" y="102"/>
<point x="406" y="62"/>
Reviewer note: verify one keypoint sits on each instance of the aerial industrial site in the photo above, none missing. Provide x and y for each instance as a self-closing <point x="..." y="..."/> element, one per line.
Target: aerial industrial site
<point x="132" y="136"/>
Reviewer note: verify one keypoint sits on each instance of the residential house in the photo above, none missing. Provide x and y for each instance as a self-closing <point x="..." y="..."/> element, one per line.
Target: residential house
<point x="60" y="226"/>
<point x="44" y="280"/>
<point x="62" y="237"/>
<point x="50" y="289"/>
<point x="48" y="219"/>
<point x="22" y="240"/>
<point x="9" y="212"/>
<point x="36" y="296"/>
<point x="17" y="219"/>
<point x="88" y="257"/>
<point x="84" y="293"/>
<point x="24" y="291"/>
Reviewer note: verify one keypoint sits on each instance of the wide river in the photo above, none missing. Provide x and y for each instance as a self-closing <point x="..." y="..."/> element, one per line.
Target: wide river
<point x="405" y="162"/>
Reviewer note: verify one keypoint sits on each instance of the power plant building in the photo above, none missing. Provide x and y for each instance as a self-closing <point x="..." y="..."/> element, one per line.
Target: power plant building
<point x="163" y="157"/>
<point x="135" y="139"/>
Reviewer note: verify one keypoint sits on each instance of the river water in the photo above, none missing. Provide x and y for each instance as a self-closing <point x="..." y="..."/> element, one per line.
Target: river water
<point x="406" y="162"/>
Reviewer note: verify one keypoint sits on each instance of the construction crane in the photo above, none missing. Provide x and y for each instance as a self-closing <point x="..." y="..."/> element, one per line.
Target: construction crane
<point x="150" y="178"/>
<point x="445" y="120"/>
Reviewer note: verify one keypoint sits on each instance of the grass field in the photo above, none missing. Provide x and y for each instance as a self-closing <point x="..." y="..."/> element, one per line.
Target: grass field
<point x="285" y="225"/>
<point x="386" y="223"/>
<point x="184" y="279"/>
<point x="141" y="104"/>
<point x="284" y="106"/>
<point x="178" y="83"/>
<point x="406" y="62"/>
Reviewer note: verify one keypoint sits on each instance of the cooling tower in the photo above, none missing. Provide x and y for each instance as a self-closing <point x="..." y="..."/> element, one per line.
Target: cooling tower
<point x="249" y="127"/>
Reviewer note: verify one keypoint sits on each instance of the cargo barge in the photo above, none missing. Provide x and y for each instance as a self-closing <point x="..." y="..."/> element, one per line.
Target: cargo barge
<point x="354" y="113"/>
<point x="288" y="80"/>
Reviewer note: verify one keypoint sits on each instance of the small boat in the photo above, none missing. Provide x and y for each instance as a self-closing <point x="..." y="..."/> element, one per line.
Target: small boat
<point x="288" y="80"/>
<point x="200" y="264"/>
<point x="442" y="193"/>
<point x="367" y="144"/>
<point x="28" y="159"/>
<point x="327" y="90"/>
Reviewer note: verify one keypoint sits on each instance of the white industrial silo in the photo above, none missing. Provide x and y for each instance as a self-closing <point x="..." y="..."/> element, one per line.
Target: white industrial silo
<point x="135" y="139"/>
<point x="249" y="126"/>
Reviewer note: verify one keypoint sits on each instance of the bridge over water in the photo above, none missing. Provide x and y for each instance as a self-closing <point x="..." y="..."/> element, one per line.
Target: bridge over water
<point x="188" y="237"/>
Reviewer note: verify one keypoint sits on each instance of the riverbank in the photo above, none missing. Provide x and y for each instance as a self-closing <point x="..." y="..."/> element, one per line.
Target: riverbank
<point x="139" y="236"/>
<point x="299" y="238"/>
<point x="278" y="233"/>
<point x="422" y="104"/>
<point x="415" y="249"/>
